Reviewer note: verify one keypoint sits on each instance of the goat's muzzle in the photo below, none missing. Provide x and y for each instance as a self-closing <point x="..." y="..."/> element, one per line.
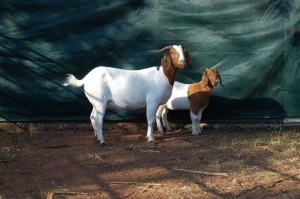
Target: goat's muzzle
<point x="181" y="64"/>
<point x="218" y="82"/>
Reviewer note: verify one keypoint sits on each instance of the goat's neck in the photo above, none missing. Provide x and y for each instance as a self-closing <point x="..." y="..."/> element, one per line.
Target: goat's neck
<point x="170" y="72"/>
<point x="209" y="87"/>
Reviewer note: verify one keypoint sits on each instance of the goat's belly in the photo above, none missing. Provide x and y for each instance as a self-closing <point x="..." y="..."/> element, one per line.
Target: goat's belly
<point x="126" y="105"/>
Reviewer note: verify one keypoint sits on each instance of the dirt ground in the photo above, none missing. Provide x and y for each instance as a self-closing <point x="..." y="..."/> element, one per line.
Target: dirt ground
<point x="65" y="161"/>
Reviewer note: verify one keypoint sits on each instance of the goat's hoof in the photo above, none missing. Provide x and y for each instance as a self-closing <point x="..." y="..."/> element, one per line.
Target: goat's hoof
<point x="195" y="134"/>
<point x="151" y="140"/>
<point x="152" y="143"/>
<point x="102" y="144"/>
<point x="160" y="131"/>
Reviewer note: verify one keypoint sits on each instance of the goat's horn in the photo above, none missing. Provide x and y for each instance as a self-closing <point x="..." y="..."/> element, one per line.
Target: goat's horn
<point x="165" y="48"/>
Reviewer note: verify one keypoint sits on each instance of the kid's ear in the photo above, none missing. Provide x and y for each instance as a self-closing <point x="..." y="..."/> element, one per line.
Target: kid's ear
<point x="220" y="80"/>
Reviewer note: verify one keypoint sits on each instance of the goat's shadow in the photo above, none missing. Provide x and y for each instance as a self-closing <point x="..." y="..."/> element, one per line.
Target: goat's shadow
<point x="221" y="108"/>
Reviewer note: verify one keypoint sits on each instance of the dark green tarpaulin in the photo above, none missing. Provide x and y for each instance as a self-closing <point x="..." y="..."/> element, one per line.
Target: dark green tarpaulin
<point x="254" y="44"/>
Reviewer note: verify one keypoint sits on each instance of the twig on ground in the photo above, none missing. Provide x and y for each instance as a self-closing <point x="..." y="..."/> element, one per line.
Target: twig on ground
<point x="202" y="172"/>
<point x="51" y="194"/>
<point x="136" y="183"/>
<point x="148" y="151"/>
<point x="95" y="157"/>
<point x="130" y="147"/>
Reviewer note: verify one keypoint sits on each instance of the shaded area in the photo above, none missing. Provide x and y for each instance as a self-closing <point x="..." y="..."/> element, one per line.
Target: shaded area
<point x="264" y="108"/>
<point x="247" y="110"/>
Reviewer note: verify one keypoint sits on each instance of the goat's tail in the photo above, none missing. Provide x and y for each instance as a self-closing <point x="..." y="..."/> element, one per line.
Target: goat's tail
<point x="73" y="81"/>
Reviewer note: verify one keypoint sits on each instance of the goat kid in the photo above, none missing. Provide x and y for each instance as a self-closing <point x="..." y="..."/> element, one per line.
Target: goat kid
<point x="193" y="97"/>
<point x="112" y="88"/>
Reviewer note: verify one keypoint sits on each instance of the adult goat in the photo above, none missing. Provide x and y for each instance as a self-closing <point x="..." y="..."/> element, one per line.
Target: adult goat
<point x="111" y="88"/>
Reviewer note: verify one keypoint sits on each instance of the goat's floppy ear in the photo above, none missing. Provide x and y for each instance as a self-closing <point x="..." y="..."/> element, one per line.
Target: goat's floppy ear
<point x="220" y="80"/>
<point x="205" y="78"/>
<point x="166" y="60"/>
<point x="188" y="58"/>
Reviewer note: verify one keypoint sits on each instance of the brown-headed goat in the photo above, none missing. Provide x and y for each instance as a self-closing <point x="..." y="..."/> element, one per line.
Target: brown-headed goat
<point x="112" y="88"/>
<point x="193" y="97"/>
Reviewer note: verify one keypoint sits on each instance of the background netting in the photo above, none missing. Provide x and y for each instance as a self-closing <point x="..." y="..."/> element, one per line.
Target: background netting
<point x="254" y="44"/>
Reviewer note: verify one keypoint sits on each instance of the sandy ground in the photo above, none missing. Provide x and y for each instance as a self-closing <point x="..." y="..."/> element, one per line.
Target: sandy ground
<point x="65" y="161"/>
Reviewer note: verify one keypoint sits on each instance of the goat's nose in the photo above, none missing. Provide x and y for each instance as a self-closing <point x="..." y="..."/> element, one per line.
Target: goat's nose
<point x="182" y="61"/>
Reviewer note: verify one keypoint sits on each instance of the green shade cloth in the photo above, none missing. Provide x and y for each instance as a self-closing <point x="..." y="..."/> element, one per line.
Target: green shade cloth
<point x="254" y="44"/>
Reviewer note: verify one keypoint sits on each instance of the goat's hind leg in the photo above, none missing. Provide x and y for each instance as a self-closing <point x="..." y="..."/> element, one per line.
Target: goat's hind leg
<point x="97" y="116"/>
<point x="158" y="119"/>
<point x="165" y="118"/>
<point x="100" y="115"/>
<point x="93" y="119"/>
<point x="97" y="123"/>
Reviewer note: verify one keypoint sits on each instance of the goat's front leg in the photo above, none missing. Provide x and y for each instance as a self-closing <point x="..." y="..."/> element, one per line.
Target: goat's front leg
<point x="151" y="110"/>
<point x="199" y="116"/>
<point x="195" y="123"/>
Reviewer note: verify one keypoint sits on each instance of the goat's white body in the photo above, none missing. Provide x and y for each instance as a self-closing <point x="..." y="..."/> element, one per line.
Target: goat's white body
<point x="178" y="101"/>
<point x="112" y="88"/>
<point x="127" y="89"/>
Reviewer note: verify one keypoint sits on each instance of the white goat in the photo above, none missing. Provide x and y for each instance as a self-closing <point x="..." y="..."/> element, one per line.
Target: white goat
<point x="193" y="97"/>
<point x="113" y="88"/>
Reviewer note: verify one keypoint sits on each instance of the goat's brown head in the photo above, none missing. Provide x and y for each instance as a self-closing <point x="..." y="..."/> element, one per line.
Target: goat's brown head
<point x="176" y="56"/>
<point x="212" y="77"/>
<point x="173" y="60"/>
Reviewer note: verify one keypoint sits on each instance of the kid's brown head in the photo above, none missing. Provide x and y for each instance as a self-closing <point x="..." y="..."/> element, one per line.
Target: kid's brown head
<point x="212" y="77"/>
